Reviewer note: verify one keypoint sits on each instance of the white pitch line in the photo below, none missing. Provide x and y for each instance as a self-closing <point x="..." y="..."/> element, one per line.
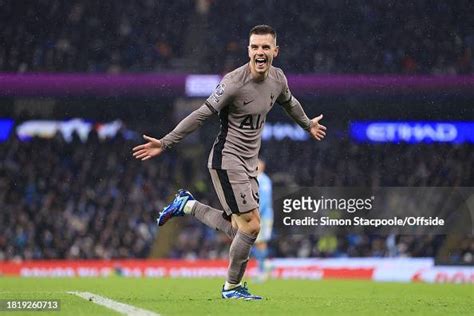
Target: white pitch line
<point x="114" y="305"/>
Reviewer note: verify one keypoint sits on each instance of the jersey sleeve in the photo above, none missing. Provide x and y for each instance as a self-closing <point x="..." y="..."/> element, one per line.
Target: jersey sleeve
<point x="222" y="95"/>
<point x="291" y="105"/>
<point x="186" y="126"/>
<point x="285" y="94"/>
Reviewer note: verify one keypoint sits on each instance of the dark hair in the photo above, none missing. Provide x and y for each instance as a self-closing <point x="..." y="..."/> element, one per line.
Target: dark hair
<point x="262" y="30"/>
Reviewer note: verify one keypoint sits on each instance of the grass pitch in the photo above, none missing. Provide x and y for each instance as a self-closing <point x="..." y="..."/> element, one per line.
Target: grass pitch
<point x="282" y="297"/>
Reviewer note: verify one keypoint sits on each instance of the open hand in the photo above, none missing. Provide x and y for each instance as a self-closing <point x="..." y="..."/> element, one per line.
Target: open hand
<point x="317" y="130"/>
<point x="149" y="150"/>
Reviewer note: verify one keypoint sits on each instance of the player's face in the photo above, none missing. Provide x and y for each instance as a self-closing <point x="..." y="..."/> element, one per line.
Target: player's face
<point x="262" y="50"/>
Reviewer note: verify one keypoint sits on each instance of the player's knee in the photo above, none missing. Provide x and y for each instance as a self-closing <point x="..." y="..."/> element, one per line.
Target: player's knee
<point x="256" y="230"/>
<point x="249" y="223"/>
<point x="252" y="227"/>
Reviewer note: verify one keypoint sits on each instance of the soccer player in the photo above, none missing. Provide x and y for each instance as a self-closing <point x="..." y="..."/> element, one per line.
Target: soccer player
<point x="241" y="101"/>
<point x="266" y="221"/>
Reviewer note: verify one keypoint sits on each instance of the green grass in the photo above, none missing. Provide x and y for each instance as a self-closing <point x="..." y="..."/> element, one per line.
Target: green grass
<point x="282" y="297"/>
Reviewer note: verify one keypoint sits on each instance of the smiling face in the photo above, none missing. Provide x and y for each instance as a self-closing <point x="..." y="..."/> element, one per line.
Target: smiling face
<point x="262" y="49"/>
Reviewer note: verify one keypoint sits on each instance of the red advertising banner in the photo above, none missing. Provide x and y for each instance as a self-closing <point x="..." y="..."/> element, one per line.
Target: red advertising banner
<point x="399" y="270"/>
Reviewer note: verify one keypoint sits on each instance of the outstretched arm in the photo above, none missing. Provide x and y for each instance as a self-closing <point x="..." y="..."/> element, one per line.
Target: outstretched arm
<point x="296" y="112"/>
<point x="155" y="147"/>
<point x="294" y="109"/>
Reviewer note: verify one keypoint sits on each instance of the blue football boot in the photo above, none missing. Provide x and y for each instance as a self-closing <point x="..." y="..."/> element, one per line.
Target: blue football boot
<point x="176" y="208"/>
<point x="239" y="293"/>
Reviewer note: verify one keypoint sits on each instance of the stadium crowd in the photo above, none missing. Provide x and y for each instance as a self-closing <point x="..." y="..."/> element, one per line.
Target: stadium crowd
<point x="343" y="163"/>
<point x="75" y="200"/>
<point x="89" y="36"/>
<point x="323" y="36"/>
<point x="91" y="200"/>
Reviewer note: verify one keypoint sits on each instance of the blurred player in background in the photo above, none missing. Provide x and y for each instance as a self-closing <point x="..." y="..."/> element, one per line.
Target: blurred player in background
<point x="266" y="222"/>
<point x="242" y="101"/>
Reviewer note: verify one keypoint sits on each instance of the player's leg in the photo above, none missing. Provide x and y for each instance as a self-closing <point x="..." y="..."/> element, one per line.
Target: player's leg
<point x="184" y="203"/>
<point x="239" y="198"/>
<point x="248" y="228"/>
<point x="212" y="217"/>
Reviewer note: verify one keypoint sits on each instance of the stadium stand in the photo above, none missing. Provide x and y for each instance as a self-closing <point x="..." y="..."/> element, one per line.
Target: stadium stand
<point x="91" y="200"/>
<point x="320" y="37"/>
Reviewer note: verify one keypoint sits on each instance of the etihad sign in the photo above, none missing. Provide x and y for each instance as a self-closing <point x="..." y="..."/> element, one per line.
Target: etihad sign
<point x="413" y="132"/>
